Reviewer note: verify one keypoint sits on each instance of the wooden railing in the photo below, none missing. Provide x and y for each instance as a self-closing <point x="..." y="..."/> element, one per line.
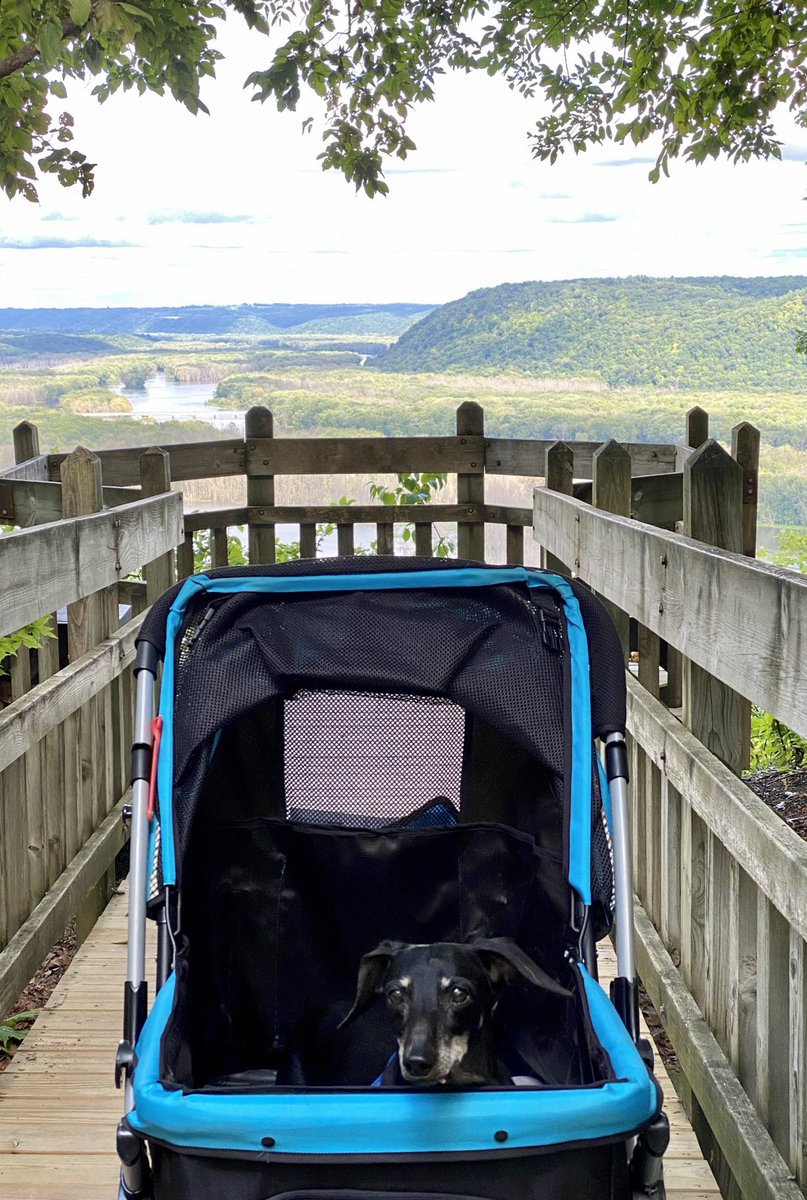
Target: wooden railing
<point x="721" y="880"/>
<point x="722" y="883"/>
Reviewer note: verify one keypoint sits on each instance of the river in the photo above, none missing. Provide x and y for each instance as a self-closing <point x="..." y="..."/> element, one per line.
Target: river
<point x="164" y="399"/>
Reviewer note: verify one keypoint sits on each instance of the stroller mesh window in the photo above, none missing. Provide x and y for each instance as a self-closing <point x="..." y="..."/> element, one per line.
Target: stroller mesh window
<point x="370" y="758"/>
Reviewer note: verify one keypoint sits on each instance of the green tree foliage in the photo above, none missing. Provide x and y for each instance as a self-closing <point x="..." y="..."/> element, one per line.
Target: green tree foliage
<point x="701" y="76"/>
<point x="674" y="333"/>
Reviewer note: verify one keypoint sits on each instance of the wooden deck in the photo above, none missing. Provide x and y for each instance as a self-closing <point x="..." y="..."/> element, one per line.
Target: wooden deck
<point x="59" y="1106"/>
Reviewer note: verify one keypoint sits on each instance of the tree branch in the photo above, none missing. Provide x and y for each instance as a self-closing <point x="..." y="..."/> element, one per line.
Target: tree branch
<point x="21" y="58"/>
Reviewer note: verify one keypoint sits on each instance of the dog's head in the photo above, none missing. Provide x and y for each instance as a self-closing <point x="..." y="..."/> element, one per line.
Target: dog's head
<point x="440" y="997"/>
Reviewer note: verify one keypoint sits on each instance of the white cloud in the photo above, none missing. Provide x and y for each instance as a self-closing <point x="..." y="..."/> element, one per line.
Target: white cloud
<point x="232" y="208"/>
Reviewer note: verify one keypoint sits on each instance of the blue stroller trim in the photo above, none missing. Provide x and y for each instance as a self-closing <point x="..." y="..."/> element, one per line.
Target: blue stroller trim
<point x="390" y="1121"/>
<point x="582" y="741"/>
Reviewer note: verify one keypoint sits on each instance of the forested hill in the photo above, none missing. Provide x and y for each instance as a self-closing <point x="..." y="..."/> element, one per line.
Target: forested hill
<point x="721" y="333"/>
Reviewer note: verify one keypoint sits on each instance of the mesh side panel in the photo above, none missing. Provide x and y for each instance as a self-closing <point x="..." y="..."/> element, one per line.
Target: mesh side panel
<point x="602" y="854"/>
<point x="369" y="758"/>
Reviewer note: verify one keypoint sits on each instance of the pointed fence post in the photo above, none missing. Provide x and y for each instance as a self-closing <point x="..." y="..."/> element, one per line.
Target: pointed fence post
<point x="558" y="477"/>
<point x="697" y="427"/>
<point x="259" y="423"/>
<point x="87" y="619"/>
<point x="611" y="491"/>
<point x="471" y="488"/>
<point x="155" y="479"/>
<point x="26" y="441"/>
<point x="745" y="450"/>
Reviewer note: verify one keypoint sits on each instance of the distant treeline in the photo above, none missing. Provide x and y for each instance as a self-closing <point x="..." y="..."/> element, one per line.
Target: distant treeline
<point x="699" y="333"/>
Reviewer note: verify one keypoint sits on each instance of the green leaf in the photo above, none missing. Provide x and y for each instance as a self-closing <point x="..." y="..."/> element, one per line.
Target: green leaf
<point x="80" y="11"/>
<point x="49" y="41"/>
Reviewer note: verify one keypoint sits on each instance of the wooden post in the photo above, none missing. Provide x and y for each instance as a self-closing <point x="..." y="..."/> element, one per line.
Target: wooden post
<point x="714" y="713"/>
<point x="26" y="441"/>
<point x="308" y="540"/>
<point x="697" y="427"/>
<point x="155" y="479"/>
<point x="259" y="423"/>
<point x="88" y="734"/>
<point x="611" y="491"/>
<point x="745" y="449"/>
<point x="185" y="557"/>
<point x="471" y="488"/>
<point x="559" y="477"/>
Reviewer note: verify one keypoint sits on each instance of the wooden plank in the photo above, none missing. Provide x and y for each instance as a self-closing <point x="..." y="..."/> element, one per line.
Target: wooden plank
<point x="558" y="470"/>
<point x="723" y="941"/>
<point x="308" y="540"/>
<point x="470" y="482"/>
<point x="34" y="937"/>
<point x="518" y="456"/>
<point x="155" y="480"/>
<point x="87" y="618"/>
<point x="670" y="866"/>
<point x="713" y="514"/>
<point x="37" y="502"/>
<point x="774" y="1052"/>
<point x="13" y="853"/>
<point x="423" y="538"/>
<point x="35" y="469"/>
<point x="25" y="437"/>
<point x="348" y="514"/>
<point x="45" y="568"/>
<point x="189" y="460"/>
<point x="514" y="552"/>
<point x="797" y="1156"/>
<point x="745" y="449"/>
<point x="259" y="423"/>
<point x="385" y="538"/>
<point x="753" y="1158"/>
<point x="344" y="540"/>
<point x="697" y="427"/>
<point x="751" y="639"/>
<point x="499" y="514"/>
<point x="27" y="720"/>
<point x="774" y="857"/>
<point x="185" y="557"/>
<point x="610" y="491"/>
<point x="748" y="894"/>
<point x="350" y="456"/>
<point x="220" y="548"/>
<point x="658" y="499"/>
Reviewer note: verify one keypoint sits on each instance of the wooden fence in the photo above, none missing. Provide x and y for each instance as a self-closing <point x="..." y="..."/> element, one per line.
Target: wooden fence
<point x="722" y="882"/>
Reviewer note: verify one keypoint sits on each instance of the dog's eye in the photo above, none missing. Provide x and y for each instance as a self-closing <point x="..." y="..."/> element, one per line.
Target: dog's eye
<point x="458" y="995"/>
<point x="395" y="997"/>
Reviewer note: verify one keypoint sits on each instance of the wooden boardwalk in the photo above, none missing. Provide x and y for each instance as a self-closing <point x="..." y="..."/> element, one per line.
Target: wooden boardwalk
<point x="59" y="1106"/>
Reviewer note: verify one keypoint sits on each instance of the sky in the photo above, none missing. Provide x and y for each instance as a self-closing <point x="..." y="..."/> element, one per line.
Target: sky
<point x="234" y="208"/>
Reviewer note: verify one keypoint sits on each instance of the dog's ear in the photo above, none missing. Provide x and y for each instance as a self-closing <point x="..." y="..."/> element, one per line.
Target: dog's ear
<point x="372" y="970"/>
<point x="505" y="962"/>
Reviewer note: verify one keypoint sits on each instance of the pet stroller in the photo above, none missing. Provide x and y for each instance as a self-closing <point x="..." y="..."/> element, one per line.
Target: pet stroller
<point x="352" y="750"/>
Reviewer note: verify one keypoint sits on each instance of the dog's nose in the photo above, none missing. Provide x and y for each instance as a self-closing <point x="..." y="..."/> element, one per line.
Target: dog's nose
<point x="417" y="1065"/>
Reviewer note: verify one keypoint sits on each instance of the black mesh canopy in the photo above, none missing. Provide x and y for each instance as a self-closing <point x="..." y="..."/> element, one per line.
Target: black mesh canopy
<point x="361" y="707"/>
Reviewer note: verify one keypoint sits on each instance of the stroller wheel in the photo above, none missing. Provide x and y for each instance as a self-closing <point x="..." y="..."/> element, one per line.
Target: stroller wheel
<point x="659" y="1192"/>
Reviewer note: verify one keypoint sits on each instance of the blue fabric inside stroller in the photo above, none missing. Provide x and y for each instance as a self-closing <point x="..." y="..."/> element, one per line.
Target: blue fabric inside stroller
<point x="359" y="750"/>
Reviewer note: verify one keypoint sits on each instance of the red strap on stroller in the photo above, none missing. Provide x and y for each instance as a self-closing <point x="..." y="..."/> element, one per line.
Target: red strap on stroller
<point x="157" y="734"/>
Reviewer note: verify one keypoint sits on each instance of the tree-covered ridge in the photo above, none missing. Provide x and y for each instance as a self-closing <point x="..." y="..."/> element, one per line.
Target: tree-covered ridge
<point x="704" y="333"/>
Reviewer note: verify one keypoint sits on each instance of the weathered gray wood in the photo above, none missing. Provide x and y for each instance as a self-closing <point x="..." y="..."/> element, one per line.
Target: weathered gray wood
<point x="308" y="540"/>
<point x="346" y="456"/>
<point x="713" y="514"/>
<point x="259" y="423"/>
<point x="515" y="545"/>
<point x="697" y="427"/>
<point x="185" y="557"/>
<point x="745" y="450"/>
<point x="519" y="456"/>
<point x="26" y="442"/>
<point x="723" y="942"/>
<point x="35" y="469"/>
<point x="223" y="518"/>
<point x="27" y="720"/>
<point x="610" y="491"/>
<point x="344" y="540"/>
<point x="351" y="514"/>
<point x="423" y="538"/>
<point x="36" y="502"/>
<point x="45" y="568"/>
<point x="13" y="849"/>
<point x="705" y="600"/>
<point x="757" y="1165"/>
<point x="20" y="672"/>
<point x="658" y="499"/>
<point x="385" y="538"/>
<point x="87" y="618"/>
<point x="649" y="660"/>
<point x="220" y="548"/>
<point x="470" y="480"/>
<point x="774" y="857"/>
<point x="797" y="1156"/>
<point x="773" y="1043"/>
<point x="670" y="866"/>
<point x="497" y="514"/>
<point x="559" y="475"/>
<point x="155" y="480"/>
<point x="189" y="460"/>
<point x="29" y="945"/>
<point x="747" y="986"/>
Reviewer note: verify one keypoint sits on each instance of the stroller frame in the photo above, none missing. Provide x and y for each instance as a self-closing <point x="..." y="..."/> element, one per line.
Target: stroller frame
<point x="135" y="1182"/>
